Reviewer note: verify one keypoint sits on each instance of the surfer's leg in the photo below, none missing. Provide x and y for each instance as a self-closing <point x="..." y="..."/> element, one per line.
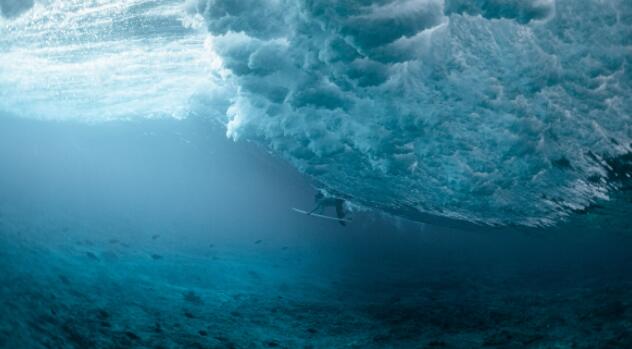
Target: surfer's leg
<point x="318" y="207"/>
<point x="340" y="211"/>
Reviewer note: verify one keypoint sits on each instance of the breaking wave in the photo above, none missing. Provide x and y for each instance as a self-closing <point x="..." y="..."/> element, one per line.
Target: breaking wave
<point x="493" y="112"/>
<point x="98" y="60"/>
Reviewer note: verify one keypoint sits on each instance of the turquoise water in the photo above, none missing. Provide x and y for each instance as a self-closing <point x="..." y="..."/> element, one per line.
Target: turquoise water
<point x="163" y="234"/>
<point x="151" y="153"/>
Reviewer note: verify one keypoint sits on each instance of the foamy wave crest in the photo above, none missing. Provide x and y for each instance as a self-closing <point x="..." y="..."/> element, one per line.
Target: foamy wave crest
<point x="488" y="111"/>
<point x="97" y="60"/>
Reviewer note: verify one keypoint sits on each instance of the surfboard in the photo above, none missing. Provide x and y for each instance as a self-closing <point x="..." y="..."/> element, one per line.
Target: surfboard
<point x="320" y="215"/>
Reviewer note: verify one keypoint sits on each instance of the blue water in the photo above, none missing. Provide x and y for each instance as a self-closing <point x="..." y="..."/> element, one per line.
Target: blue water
<point x="151" y="153"/>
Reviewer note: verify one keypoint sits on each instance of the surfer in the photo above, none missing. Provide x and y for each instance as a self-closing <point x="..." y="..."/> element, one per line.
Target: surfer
<point x="323" y="201"/>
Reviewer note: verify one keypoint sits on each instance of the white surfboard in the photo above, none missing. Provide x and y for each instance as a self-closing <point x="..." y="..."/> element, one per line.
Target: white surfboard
<point x="320" y="215"/>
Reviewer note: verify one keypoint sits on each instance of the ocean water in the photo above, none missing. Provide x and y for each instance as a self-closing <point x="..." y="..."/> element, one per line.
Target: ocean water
<point x="151" y="153"/>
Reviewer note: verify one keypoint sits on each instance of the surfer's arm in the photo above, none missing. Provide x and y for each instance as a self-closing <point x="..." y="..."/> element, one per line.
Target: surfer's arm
<point x="318" y="205"/>
<point x="321" y="205"/>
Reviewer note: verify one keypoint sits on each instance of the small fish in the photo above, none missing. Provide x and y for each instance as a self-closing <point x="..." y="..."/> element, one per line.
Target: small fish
<point x="64" y="280"/>
<point x="92" y="256"/>
<point x="272" y="343"/>
<point x="193" y="298"/>
<point x="155" y="236"/>
<point x="156" y="256"/>
<point x="284" y="248"/>
<point x="102" y="314"/>
<point x="132" y="335"/>
<point x="211" y="245"/>
<point x="258" y="242"/>
<point x="157" y="328"/>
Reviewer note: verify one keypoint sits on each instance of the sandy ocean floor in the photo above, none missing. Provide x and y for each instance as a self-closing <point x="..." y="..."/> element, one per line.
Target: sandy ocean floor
<point x="70" y="292"/>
